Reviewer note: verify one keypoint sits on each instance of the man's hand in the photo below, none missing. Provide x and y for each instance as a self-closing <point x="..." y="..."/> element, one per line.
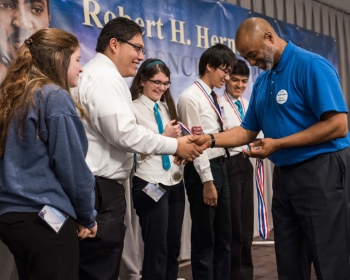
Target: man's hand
<point x="262" y="148"/>
<point x="210" y="195"/>
<point x="188" y="150"/>
<point x="203" y="141"/>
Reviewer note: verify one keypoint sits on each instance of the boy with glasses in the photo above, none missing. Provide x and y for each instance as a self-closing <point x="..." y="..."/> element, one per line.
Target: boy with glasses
<point x="206" y="178"/>
<point x="113" y="135"/>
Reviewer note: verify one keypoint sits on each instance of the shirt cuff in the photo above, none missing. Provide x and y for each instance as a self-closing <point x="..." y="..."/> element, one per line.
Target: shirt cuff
<point x="170" y="146"/>
<point x="207" y="176"/>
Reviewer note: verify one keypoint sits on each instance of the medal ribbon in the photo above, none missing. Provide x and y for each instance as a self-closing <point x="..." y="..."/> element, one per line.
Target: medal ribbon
<point x="218" y="112"/>
<point x="230" y="101"/>
<point x="262" y="214"/>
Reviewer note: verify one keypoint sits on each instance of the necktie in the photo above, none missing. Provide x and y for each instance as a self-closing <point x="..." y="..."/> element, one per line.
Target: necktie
<point x="240" y="109"/>
<point x="215" y="100"/>
<point x="165" y="158"/>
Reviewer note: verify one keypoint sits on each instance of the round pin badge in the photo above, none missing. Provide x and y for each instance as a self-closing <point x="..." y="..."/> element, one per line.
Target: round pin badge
<point x="282" y="96"/>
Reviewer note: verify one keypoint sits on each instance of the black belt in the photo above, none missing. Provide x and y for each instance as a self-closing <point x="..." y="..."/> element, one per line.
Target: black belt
<point x="218" y="160"/>
<point x="241" y="155"/>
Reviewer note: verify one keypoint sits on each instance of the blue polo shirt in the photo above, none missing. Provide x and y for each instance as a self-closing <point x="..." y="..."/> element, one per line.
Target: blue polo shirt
<point x="292" y="97"/>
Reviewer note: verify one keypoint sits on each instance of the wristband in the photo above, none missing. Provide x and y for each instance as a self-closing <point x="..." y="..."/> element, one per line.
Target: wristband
<point x="212" y="145"/>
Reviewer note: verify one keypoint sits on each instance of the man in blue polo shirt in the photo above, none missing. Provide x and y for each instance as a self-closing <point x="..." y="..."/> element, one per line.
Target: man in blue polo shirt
<point x="299" y="106"/>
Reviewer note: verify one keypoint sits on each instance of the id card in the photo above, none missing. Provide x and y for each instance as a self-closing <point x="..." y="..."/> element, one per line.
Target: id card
<point x="154" y="192"/>
<point x="53" y="217"/>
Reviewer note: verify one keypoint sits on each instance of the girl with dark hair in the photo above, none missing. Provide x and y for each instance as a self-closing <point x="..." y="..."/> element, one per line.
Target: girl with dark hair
<point x="42" y="159"/>
<point x="158" y="191"/>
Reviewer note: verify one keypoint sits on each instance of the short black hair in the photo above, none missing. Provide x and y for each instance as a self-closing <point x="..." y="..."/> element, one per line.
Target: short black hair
<point x="120" y="28"/>
<point x="216" y="56"/>
<point x="241" y="68"/>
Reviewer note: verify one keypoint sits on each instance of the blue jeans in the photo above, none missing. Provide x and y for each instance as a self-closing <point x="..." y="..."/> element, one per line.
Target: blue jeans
<point x="161" y="224"/>
<point x="211" y="226"/>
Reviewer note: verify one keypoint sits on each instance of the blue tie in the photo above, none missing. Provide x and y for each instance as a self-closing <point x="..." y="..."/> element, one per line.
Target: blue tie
<point x="240" y="109"/>
<point x="165" y="158"/>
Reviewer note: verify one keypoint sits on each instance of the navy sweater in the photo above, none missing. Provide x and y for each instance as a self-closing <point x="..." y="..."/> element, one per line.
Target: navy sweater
<point x="48" y="165"/>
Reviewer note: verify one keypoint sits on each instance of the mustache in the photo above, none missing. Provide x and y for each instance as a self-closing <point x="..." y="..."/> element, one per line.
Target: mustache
<point x="19" y="36"/>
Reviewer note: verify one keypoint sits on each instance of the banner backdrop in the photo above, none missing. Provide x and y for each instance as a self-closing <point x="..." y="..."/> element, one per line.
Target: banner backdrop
<point x="176" y="31"/>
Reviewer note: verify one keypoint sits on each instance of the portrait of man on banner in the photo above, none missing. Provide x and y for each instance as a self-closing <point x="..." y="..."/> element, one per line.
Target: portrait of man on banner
<point x="18" y="20"/>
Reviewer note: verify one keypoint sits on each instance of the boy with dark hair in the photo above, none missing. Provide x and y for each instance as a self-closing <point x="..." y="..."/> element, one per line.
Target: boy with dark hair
<point x="206" y="178"/>
<point x="240" y="177"/>
<point x="114" y="136"/>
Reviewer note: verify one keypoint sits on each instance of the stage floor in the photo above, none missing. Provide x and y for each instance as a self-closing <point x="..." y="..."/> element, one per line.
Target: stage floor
<point x="264" y="263"/>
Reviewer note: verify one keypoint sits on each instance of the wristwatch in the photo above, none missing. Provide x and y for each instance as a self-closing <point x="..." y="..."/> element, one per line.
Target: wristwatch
<point x="212" y="145"/>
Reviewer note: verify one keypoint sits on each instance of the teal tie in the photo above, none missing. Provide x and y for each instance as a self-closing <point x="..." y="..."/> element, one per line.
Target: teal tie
<point x="165" y="158"/>
<point x="240" y="109"/>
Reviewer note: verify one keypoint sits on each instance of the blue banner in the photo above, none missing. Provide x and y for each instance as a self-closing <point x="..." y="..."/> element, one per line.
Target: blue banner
<point x="177" y="32"/>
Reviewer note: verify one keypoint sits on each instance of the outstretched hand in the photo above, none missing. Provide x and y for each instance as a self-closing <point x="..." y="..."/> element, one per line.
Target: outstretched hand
<point x="262" y="148"/>
<point x="187" y="149"/>
<point x="204" y="141"/>
<point x="190" y="148"/>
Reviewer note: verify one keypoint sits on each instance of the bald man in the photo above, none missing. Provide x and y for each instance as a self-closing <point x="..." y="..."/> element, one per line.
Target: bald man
<point x="299" y="106"/>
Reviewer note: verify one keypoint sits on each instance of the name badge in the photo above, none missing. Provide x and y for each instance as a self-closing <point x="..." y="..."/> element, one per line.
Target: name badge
<point x="154" y="191"/>
<point x="53" y="217"/>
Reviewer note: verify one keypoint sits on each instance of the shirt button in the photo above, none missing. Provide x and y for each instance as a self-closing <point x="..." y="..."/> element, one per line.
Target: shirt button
<point x="271" y="92"/>
<point x="272" y="82"/>
<point x="274" y="72"/>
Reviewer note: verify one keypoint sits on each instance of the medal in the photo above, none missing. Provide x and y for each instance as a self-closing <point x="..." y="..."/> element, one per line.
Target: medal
<point x="177" y="176"/>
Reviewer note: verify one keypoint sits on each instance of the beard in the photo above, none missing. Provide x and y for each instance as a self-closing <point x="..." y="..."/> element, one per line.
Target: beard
<point x="269" y="57"/>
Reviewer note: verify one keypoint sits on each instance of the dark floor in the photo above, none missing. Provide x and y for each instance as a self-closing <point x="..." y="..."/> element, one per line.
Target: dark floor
<point x="263" y="259"/>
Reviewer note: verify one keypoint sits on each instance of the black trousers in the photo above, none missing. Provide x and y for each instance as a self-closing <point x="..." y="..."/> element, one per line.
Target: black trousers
<point x="240" y="180"/>
<point x="161" y="224"/>
<point x="211" y="226"/>
<point x="310" y="210"/>
<point x="39" y="252"/>
<point x="100" y="257"/>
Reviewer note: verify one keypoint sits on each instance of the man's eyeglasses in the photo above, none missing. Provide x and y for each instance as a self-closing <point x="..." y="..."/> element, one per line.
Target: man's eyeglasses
<point x="227" y="72"/>
<point x="137" y="48"/>
<point x="159" y="83"/>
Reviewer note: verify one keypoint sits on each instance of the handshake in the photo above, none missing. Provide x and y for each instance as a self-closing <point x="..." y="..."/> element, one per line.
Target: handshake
<point x="192" y="146"/>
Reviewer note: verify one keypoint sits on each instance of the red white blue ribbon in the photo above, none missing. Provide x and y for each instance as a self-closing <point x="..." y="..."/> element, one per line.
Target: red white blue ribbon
<point x="262" y="214"/>
<point x="210" y="100"/>
<point x="230" y="101"/>
<point x="185" y="128"/>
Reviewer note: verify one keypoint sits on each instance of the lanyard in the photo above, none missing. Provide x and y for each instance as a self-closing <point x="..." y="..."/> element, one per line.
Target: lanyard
<point x="185" y="128"/>
<point x="210" y="101"/>
<point x="230" y="101"/>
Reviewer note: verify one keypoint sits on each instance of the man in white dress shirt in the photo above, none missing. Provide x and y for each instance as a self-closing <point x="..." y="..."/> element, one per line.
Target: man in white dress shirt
<point x="113" y="136"/>
<point x="206" y="178"/>
<point x="240" y="177"/>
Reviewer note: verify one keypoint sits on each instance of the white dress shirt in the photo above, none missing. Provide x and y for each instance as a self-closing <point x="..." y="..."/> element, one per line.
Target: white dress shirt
<point x="231" y="118"/>
<point x="195" y="109"/>
<point x="111" y="124"/>
<point x="151" y="168"/>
